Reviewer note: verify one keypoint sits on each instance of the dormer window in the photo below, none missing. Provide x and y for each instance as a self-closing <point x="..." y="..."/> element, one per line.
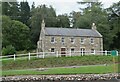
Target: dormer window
<point x="52" y="39"/>
<point x="82" y="40"/>
<point x="92" y="41"/>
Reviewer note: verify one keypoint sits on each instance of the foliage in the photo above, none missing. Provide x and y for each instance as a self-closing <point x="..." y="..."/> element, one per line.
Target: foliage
<point x="107" y="20"/>
<point x="11" y="9"/>
<point x="24" y="12"/>
<point x="15" y="33"/>
<point x="37" y="15"/>
<point x="95" y="14"/>
<point x="9" y="50"/>
<point x="16" y="11"/>
<point x="63" y="21"/>
<point x="114" y="21"/>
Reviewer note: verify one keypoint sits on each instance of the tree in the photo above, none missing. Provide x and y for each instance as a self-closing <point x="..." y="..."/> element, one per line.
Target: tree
<point x="63" y="21"/>
<point x="38" y="14"/>
<point x="75" y="16"/>
<point x="9" y="50"/>
<point x="11" y="9"/>
<point x="33" y="6"/>
<point x="24" y="12"/>
<point x="15" y="33"/>
<point x="94" y="13"/>
<point x="114" y="21"/>
<point x="116" y="42"/>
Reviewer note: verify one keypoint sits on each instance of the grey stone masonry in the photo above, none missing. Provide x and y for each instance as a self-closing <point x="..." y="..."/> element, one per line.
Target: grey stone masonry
<point x="53" y="39"/>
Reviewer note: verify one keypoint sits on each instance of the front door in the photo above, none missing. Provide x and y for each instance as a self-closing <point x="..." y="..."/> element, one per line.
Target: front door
<point x="63" y="51"/>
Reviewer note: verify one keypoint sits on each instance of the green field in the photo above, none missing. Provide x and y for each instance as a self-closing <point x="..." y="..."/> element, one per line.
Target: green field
<point x="22" y="66"/>
<point x="78" y="70"/>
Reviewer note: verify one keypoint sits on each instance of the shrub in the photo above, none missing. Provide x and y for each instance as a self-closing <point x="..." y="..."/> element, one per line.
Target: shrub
<point x="9" y="50"/>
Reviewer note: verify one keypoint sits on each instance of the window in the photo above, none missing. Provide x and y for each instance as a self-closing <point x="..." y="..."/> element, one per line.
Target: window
<point x="52" y="49"/>
<point x="52" y="39"/>
<point x="82" y="51"/>
<point x="82" y="40"/>
<point x="92" y="41"/>
<point x="62" y="39"/>
<point x="72" y="40"/>
<point x="72" y="49"/>
<point x="92" y="51"/>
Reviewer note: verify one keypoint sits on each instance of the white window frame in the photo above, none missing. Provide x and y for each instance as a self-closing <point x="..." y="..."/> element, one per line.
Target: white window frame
<point x="82" y="40"/>
<point x="92" y="40"/>
<point x="92" y="51"/>
<point x="52" y="39"/>
<point x="53" y="50"/>
<point x="72" y="40"/>
<point x="71" y="49"/>
<point x="82" y="50"/>
<point x="62" y="39"/>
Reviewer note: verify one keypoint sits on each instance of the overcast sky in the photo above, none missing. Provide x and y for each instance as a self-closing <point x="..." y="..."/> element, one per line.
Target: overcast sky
<point x="66" y="6"/>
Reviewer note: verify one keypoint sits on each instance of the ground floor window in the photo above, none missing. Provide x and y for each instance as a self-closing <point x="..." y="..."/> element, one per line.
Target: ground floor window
<point x="72" y="49"/>
<point x="52" y="49"/>
<point x="82" y="50"/>
<point x="63" y="50"/>
<point x="92" y="51"/>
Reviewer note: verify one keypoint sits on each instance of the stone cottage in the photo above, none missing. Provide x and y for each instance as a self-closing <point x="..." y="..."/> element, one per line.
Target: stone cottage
<point x="54" y="39"/>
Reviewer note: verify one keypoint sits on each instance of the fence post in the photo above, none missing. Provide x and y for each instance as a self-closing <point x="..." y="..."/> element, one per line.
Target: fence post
<point x="56" y="53"/>
<point x="43" y="54"/>
<point x="105" y="52"/>
<point x="29" y="55"/>
<point x="37" y="53"/>
<point x="94" y="52"/>
<point x="70" y="53"/>
<point x="14" y="57"/>
<point x="82" y="52"/>
<point x="60" y="54"/>
<point x="117" y="53"/>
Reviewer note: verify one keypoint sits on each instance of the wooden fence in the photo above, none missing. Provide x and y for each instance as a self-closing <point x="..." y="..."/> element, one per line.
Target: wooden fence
<point x="54" y="54"/>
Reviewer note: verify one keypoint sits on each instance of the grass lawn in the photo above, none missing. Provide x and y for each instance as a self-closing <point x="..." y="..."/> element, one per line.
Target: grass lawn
<point x="21" y="66"/>
<point x="79" y="70"/>
<point x="55" y="62"/>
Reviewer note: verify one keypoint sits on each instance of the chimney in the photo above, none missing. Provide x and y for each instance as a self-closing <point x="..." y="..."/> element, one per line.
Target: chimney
<point x="94" y="26"/>
<point x="43" y="24"/>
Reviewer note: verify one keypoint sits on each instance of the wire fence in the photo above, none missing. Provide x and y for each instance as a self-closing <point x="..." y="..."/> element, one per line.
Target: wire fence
<point x="54" y="54"/>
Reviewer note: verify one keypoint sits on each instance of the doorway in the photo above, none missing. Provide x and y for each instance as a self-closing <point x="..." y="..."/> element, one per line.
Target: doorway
<point x="63" y="50"/>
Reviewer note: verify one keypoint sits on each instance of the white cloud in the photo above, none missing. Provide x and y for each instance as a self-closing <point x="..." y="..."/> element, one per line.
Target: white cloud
<point x="66" y="6"/>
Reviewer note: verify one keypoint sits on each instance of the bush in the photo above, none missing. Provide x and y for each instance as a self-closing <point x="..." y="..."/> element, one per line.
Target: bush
<point x="9" y="50"/>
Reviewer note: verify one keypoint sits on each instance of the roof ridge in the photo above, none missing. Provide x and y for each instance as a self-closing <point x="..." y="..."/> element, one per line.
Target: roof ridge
<point x="68" y="28"/>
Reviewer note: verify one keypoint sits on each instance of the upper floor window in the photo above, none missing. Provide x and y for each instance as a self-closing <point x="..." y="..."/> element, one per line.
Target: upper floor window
<point x="62" y="39"/>
<point x="92" y="41"/>
<point x="52" y="39"/>
<point x="72" y="40"/>
<point x="82" y="40"/>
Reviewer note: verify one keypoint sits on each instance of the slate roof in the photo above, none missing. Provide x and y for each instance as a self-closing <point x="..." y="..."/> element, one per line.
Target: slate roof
<point x="71" y="32"/>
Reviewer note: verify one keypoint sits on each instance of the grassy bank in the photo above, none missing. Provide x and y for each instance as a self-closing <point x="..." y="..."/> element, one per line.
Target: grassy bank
<point x="79" y="70"/>
<point x="55" y="62"/>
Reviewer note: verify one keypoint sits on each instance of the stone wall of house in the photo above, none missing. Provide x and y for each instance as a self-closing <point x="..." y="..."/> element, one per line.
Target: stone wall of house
<point x="44" y="43"/>
<point x="47" y="45"/>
